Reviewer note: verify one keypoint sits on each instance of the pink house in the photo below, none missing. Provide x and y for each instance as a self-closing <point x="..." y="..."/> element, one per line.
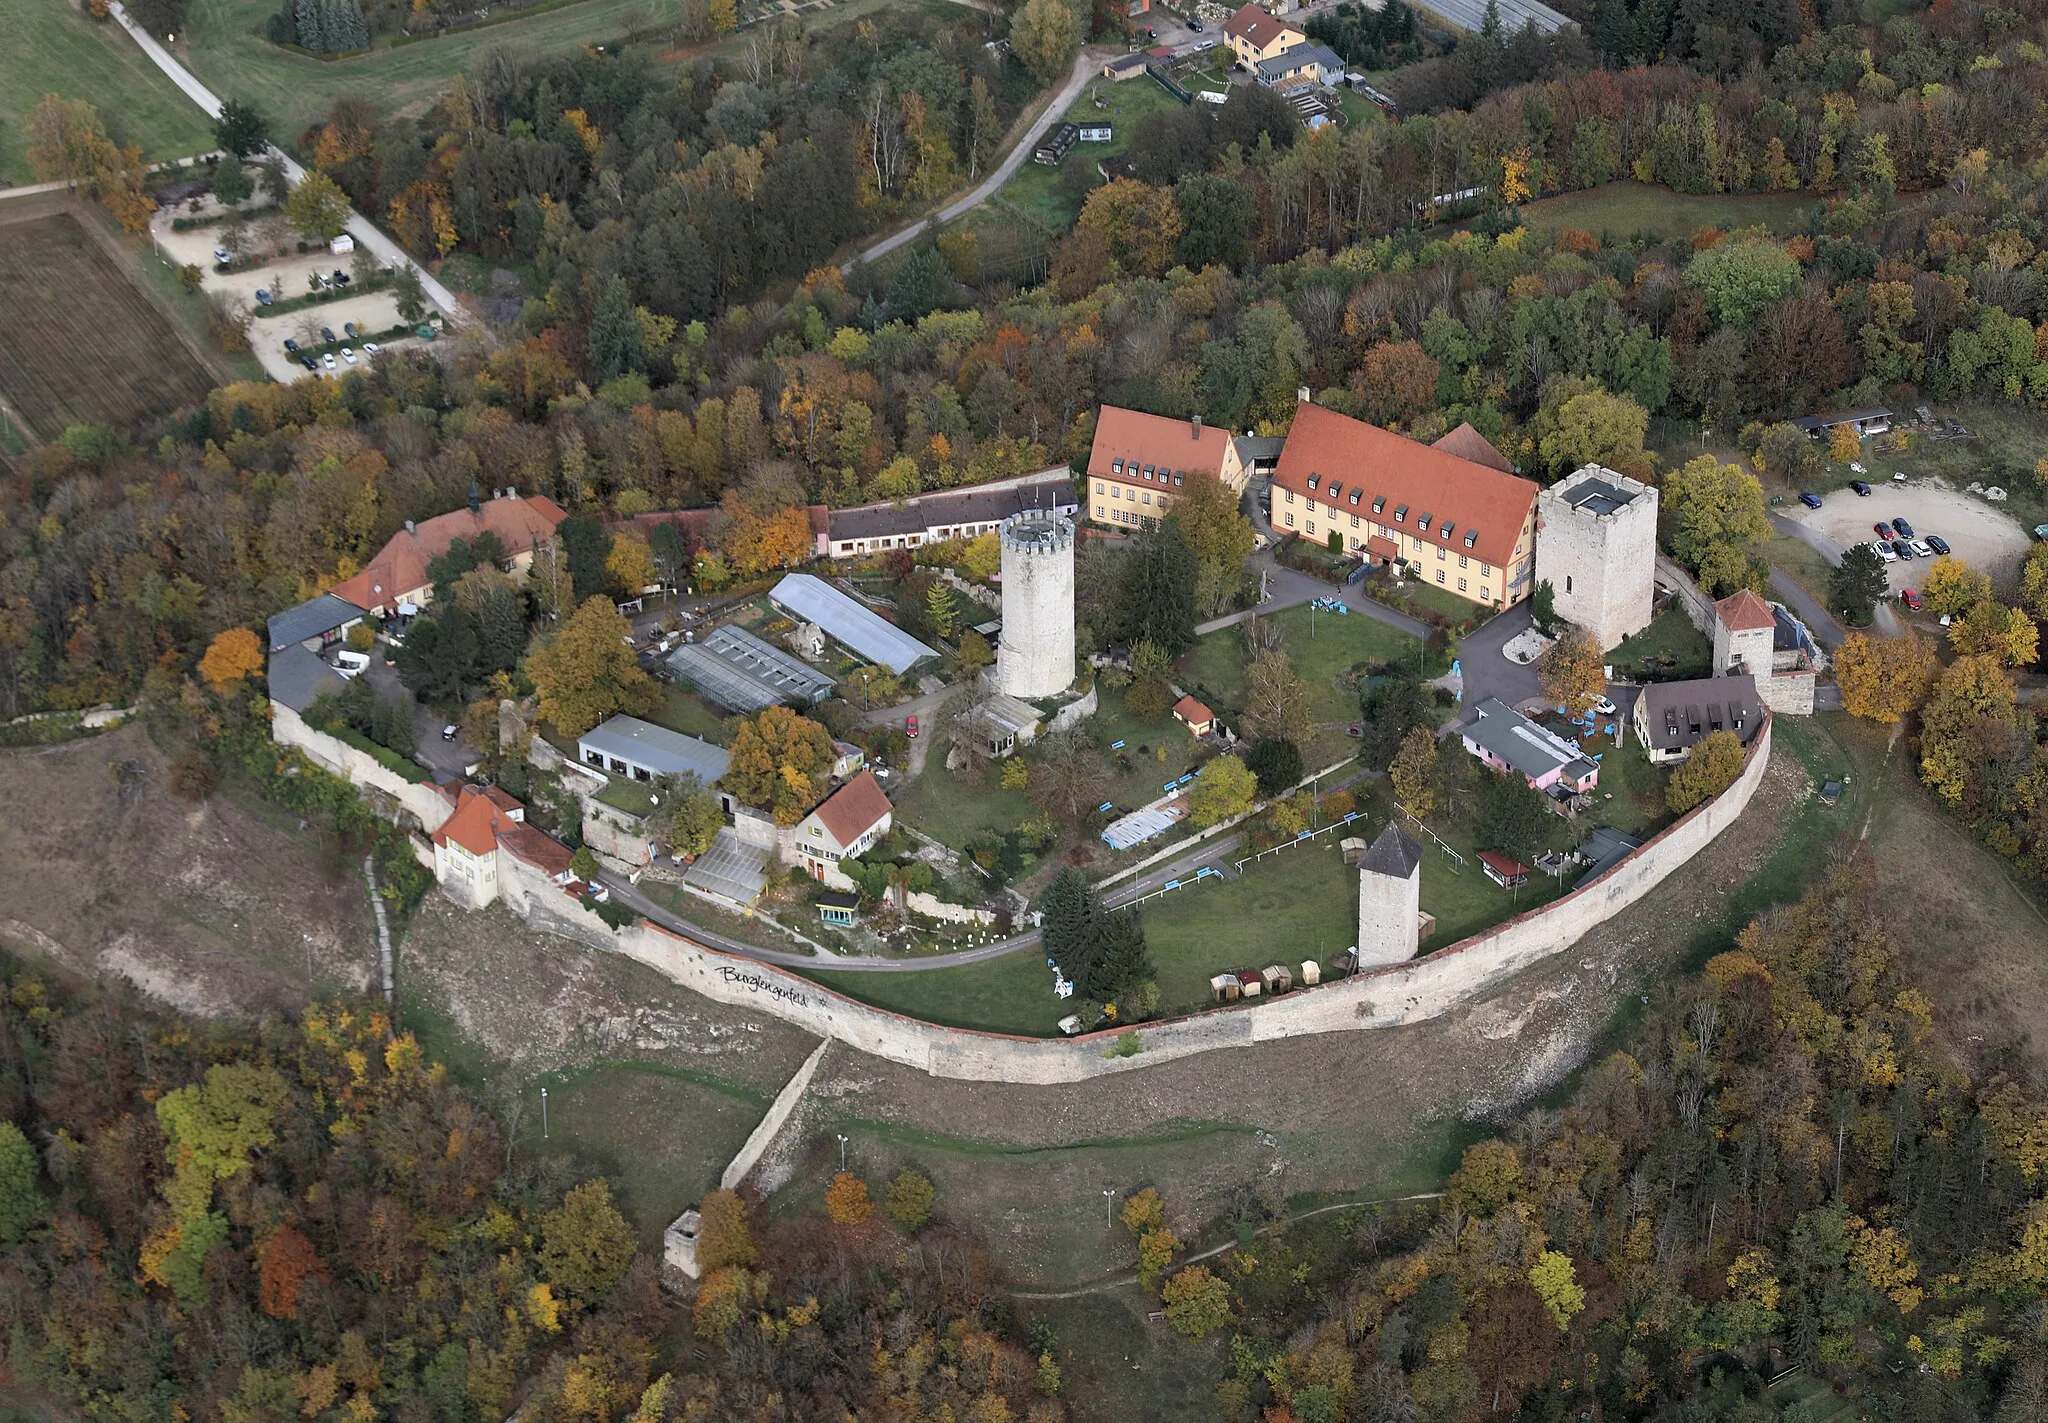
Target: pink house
<point x="1508" y="741"/>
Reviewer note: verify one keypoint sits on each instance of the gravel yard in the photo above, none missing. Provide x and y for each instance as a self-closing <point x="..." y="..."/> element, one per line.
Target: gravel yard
<point x="1980" y="533"/>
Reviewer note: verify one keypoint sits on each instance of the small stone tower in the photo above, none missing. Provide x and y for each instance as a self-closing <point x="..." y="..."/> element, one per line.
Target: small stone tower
<point x="1036" y="658"/>
<point x="1596" y="546"/>
<point x="1389" y="900"/>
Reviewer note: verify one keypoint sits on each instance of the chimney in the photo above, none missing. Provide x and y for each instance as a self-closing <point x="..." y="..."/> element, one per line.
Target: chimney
<point x="1301" y="395"/>
<point x="511" y="491"/>
<point x="1195" y="428"/>
<point x="408" y="526"/>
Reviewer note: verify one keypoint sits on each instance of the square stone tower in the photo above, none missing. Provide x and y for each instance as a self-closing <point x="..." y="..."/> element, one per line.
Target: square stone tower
<point x="1389" y="900"/>
<point x="1745" y="634"/>
<point x="1596" y="546"/>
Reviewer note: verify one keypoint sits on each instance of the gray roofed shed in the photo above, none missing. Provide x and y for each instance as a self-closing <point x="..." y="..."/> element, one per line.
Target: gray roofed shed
<point x="641" y="745"/>
<point x="297" y="677"/>
<point x="848" y="623"/>
<point x="311" y="620"/>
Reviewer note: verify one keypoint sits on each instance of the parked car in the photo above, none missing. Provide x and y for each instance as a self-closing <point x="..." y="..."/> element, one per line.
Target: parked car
<point x="1910" y="599"/>
<point x="328" y="360"/>
<point x="350" y="664"/>
<point x="449" y="733"/>
<point x="348" y="329"/>
<point x="1902" y="548"/>
<point x="309" y="363"/>
<point x="1811" y="501"/>
<point x="348" y="355"/>
<point x="291" y="346"/>
<point x="370" y="348"/>
<point x="327" y="334"/>
<point x="1862" y="489"/>
<point x="220" y="255"/>
<point x="1604" y="707"/>
<point x="1883" y="551"/>
<point x="1883" y="531"/>
<point x="1195" y="25"/>
<point x="262" y="297"/>
<point x="1937" y="543"/>
<point x="340" y="278"/>
<point x="910" y="727"/>
<point x="1905" y="529"/>
<point x="1921" y="548"/>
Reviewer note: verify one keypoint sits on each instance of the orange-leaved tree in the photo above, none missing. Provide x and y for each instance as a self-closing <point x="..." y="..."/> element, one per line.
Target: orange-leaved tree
<point x="846" y="1199"/>
<point x="231" y="656"/>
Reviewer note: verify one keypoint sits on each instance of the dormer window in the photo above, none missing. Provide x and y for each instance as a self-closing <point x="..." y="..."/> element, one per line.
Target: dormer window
<point x="1178" y="476"/>
<point x="1354" y="497"/>
<point x="1423" y="522"/>
<point x="1116" y="466"/>
<point x="1445" y="531"/>
<point x="1378" y="505"/>
<point x="1400" y="513"/>
<point x="1148" y="471"/>
<point x="1313" y="480"/>
<point x="1471" y="537"/>
<point x="1335" y="489"/>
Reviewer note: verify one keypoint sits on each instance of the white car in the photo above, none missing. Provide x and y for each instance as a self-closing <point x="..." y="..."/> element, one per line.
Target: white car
<point x="1856" y="468"/>
<point x="328" y="360"/>
<point x="1883" y="551"/>
<point x="370" y="348"/>
<point x="348" y="355"/>
<point x="1604" y="707"/>
<point x="1920" y="548"/>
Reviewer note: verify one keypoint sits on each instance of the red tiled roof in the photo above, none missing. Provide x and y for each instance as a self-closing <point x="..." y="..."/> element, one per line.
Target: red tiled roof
<point x="400" y="567"/>
<point x="1326" y="446"/>
<point x="1744" y="611"/>
<point x="1468" y="444"/>
<point x="1382" y="548"/>
<point x="486" y="820"/>
<point x="1190" y="710"/>
<point x="1159" y="440"/>
<point x="474" y="826"/>
<point x="854" y="809"/>
<point x="1502" y="864"/>
<point x="1256" y="25"/>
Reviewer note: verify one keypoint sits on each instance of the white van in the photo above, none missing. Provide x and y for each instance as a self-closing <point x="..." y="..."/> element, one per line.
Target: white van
<point x="350" y="664"/>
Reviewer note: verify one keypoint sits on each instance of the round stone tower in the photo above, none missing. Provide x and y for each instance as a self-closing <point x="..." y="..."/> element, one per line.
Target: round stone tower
<point x="1036" y="658"/>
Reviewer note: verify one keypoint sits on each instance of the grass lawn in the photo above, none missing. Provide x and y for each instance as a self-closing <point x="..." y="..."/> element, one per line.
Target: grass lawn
<point x="1035" y="188"/>
<point x="1637" y="788"/>
<point x="956" y="808"/>
<point x="1803" y="562"/>
<point x="53" y="48"/>
<point x="689" y="714"/>
<point x="1011" y="994"/>
<point x="1301" y="903"/>
<point x="661" y="1134"/>
<point x="1620" y="210"/>
<point x="624" y="793"/>
<point x="1338" y="645"/>
<point x="1138" y="774"/>
<point x="1670" y="635"/>
<point x="224" y="46"/>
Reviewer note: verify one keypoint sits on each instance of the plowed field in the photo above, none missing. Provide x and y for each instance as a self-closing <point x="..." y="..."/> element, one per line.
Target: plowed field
<point x="79" y="343"/>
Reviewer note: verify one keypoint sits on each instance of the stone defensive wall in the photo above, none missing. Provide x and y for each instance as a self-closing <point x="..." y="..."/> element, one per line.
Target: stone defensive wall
<point x="1379" y="998"/>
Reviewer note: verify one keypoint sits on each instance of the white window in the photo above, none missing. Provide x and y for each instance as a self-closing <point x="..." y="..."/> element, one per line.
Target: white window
<point x="1439" y="575"/>
<point x="1487" y="569"/>
<point x="1439" y="554"/>
<point x="1148" y="496"/>
<point x="1290" y="496"/>
<point x="1354" y="524"/>
<point x="1098" y="486"/>
<point x="1463" y="560"/>
<point x="1311" y="525"/>
<point x="1290" y="521"/>
<point x="1098" y="511"/>
<point x="1486" y="594"/>
<point x="1461" y="585"/>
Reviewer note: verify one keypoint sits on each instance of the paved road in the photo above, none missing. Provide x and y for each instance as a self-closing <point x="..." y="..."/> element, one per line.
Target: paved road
<point x="1826" y="630"/>
<point x="1487" y="670"/>
<point x="1287" y="589"/>
<point x="359" y="227"/>
<point x="1087" y="65"/>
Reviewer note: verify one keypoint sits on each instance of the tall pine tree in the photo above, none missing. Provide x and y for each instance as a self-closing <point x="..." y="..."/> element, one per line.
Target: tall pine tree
<point x="1158" y="593"/>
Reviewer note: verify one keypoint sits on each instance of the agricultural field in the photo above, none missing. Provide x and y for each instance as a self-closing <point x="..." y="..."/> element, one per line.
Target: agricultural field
<point x="1621" y="210"/>
<point x="224" y="46"/>
<point x="79" y="345"/>
<point x="53" y="48"/>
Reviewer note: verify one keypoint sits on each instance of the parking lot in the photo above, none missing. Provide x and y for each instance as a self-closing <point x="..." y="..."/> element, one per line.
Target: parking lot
<point x="373" y="311"/>
<point x="1980" y="533"/>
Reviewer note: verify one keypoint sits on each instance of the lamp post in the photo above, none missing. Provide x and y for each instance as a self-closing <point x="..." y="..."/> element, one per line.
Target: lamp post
<point x="543" y="1114"/>
<point x="1108" y="1206"/>
<point x="842" y="1151"/>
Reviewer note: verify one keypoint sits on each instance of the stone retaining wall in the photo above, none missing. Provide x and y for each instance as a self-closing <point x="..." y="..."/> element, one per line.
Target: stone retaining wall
<point x="419" y="799"/>
<point x="1387" y="997"/>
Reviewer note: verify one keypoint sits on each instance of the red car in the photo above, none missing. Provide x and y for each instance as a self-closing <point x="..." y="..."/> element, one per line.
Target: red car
<point x="1883" y="531"/>
<point x="1910" y="599"/>
<point x="910" y="727"/>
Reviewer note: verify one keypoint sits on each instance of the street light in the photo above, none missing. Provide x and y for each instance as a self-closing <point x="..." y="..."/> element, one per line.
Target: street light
<point x="842" y="1151"/>
<point x="543" y="1114"/>
<point x="1108" y="1205"/>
